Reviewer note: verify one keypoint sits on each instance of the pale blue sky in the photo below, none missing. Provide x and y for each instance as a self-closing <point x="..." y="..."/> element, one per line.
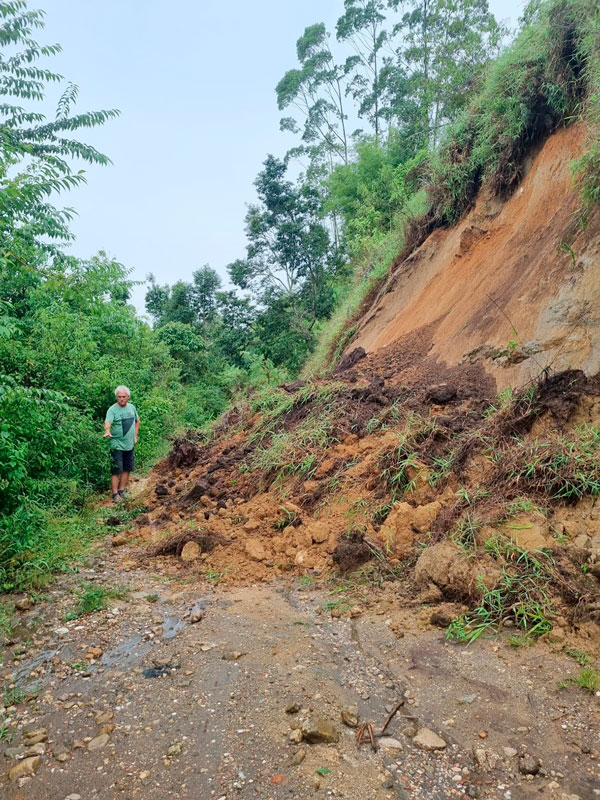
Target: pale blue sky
<point x="194" y="81"/>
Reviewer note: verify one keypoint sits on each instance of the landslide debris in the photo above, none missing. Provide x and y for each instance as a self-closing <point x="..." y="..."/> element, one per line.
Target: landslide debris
<point x="401" y="471"/>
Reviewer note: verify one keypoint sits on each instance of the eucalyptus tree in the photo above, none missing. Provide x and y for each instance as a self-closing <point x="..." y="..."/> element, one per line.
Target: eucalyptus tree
<point x="442" y="49"/>
<point x="316" y="91"/>
<point x="362" y="26"/>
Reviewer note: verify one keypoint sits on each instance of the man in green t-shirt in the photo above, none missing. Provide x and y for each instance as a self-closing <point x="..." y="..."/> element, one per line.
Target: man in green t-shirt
<point x="121" y="427"/>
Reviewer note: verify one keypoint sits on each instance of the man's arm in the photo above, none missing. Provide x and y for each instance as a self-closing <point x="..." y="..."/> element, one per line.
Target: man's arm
<point x="137" y="429"/>
<point x="107" y="427"/>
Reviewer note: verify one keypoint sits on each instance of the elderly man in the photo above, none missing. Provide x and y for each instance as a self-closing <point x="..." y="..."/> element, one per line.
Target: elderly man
<point x="121" y="427"/>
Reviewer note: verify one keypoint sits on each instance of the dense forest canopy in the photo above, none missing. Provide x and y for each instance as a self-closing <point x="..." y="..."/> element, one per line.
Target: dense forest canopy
<point x="396" y="119"/>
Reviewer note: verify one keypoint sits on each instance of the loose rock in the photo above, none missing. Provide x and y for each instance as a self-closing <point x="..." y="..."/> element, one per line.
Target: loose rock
<point x="317" y="729"/>
<point x="529" y="765"/>
<point x="191" y="551"/>
<point x="98" y="742"/>
<point x="350" y="716"/>
<point x="27" y="767"/>
<point x="426" y="739"/>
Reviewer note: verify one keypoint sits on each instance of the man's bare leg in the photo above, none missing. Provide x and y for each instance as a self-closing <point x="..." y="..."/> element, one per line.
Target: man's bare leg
<point x="114" y="483"/>
<point x="124" y="480"/>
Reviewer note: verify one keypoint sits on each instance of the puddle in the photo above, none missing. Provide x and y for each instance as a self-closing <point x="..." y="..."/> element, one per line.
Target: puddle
<point x="22" y="675"/>
<point x="126" y="653"/>
<point x="171" y="626"/>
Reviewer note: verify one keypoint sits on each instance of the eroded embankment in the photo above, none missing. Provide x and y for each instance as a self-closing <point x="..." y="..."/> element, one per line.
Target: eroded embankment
<point x="482" y="507"/>
<point x="514" y="286"/>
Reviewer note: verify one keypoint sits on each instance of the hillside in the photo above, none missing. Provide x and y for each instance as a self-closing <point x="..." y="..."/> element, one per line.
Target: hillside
<point x="515" y="286"/>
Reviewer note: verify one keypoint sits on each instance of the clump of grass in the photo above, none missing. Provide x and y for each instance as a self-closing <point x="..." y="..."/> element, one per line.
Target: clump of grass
<point x="563" y="467"/>
<point x="396" y="466"/>
<point x="42" y="542"/>
<point x="91" y="598"/>
<point x="7" y="620"/>
<point x="15" y="695"/>
<point x="588" y="680"/>
<point x="465" y="531"/>
<point x="520" y="596"/>
<point x="580" y="657"/>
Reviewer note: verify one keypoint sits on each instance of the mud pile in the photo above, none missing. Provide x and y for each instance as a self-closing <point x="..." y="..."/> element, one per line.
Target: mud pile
<point x="437" y="489"/>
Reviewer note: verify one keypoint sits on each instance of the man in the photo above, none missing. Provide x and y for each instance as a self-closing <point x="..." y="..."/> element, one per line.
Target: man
<point x="121" y="426"/>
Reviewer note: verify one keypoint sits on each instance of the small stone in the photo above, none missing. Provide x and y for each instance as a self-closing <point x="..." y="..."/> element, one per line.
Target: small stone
<point x="107" y="728"/>
<point x="529" y="765"/>
<point x="485" y="759"/>
<point x="482" y="734"/>
<point x="73" y="797"/>
<point x="14" y="752"/>
<point x="317" y="729"/>
<point x="25" y="768"/>
<point x="298" y="757"/>
<point x="33" y="737"/>
<point x="103" y="717"/>
<point x="389" y="743"/>
<point x="94" y="652"/>
<point x="426" y="739"/>
<point x="118" y="540"/>
<point x="350" y="716"/>
<point x="62" y="757"/>
<point x="509" y="752"/>
<point x="292" y="708"/>
<point x="232" y="655"/>
<point x="295" y="736"/>
<point x="191" y="551"/>
<point x="196" y="614"/>
<point x="23" y="605"/>
<point x="356" y="611"/>
<point x="467" y="699"/>
<point x="36" y="749"/>
<point x="175" y="749"/>
<point x="98" y="742"/>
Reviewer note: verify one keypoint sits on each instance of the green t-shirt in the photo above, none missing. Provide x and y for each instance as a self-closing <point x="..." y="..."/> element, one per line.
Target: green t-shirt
<point x="123" y="426"/>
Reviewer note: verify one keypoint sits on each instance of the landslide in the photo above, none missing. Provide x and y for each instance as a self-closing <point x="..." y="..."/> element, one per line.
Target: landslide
<point x="514" y="286"/>
<point x="402" y="474"/>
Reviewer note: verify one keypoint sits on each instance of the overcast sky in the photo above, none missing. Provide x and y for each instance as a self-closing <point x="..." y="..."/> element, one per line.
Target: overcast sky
<point x="194" y="81"/>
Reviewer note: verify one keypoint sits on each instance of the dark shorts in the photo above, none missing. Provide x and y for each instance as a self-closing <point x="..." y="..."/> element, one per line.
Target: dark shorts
<point x="122" y="461"/>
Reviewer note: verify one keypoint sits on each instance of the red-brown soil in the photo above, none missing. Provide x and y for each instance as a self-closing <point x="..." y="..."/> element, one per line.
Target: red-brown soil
<point x="514" y="286"/>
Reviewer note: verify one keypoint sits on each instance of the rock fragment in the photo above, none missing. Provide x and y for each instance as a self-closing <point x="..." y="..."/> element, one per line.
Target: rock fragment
<point x="191" y="551"/>
<point x="426" y="739"/>
<point x="350" y="716"/>
<point x="316" y="729"/>
<point x="25" y="768"/>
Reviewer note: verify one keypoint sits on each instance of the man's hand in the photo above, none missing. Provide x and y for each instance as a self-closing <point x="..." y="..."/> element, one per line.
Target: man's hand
<point x="107" y="435"/>
<point x="135" y="440"/>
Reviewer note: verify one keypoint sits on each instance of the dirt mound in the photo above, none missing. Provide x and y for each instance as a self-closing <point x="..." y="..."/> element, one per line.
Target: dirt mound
<point x="399" y="472"/>
<point x="513" y="287"/>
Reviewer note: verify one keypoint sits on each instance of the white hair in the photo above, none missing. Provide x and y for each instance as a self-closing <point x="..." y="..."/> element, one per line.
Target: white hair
<point x="122" y="389"/>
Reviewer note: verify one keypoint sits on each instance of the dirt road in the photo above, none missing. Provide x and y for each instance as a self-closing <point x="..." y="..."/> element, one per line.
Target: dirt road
<point x="196" y="692"/>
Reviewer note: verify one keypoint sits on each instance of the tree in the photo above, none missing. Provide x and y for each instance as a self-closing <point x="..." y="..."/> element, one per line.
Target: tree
<point x="361" y="25"/>
<point x="316" y="91"/>
<point x="289" y="252"/>
<point x="444" y="46"/>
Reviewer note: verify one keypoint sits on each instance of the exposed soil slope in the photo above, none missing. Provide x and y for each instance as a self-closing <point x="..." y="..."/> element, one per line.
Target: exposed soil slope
<point x="515" y="286"/>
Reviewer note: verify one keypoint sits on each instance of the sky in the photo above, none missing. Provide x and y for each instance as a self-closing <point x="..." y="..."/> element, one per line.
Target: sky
<point x="195" y="83"/>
